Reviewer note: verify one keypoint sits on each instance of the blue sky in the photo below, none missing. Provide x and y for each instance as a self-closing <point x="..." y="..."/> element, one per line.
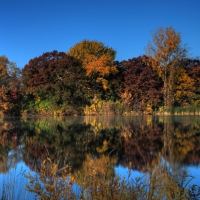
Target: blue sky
<point x="31" y="27"/>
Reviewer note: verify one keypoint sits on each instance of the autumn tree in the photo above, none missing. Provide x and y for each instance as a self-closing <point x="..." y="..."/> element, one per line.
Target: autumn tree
<point x="13" y="79"/>
<point x="85" y="47"/>
<point x="114" y="84"/>
<point x="98" y="61"/>
<point x="184" y="88"/>
<point x="193" y="71"/>
<point x="141" y="85"/>
<point x="10" y="82"/>
<point x="3" y="74"/>
<point x="54" y="77"/>
<point x="164" y="54"/>
<point x="3" y="68"/>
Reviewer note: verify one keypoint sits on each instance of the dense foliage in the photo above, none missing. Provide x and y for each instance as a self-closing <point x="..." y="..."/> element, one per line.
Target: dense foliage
<point x="10" y="83"/>
<point x="142" y="86"/>
<point x="87" y="80"/>
<point x="54" y="81"/>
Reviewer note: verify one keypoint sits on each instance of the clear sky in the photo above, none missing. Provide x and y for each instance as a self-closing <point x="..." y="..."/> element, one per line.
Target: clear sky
<point x="31" y="27"/>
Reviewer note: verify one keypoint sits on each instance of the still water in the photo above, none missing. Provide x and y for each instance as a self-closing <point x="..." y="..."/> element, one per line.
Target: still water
<point x="128" y="143"/>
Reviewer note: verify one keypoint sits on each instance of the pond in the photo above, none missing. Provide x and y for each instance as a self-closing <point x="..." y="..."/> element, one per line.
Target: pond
<point x="128" y="143"/>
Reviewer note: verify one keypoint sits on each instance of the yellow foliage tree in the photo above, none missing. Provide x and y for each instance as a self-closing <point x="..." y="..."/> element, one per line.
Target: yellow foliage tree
<point x="3" y="68"/>
<point x="184" y="88"/>
<point x="97" y="59"/>
<point x="81" y="49"/>
<point x="5" y="101"/>
<point x="164" y="54"/>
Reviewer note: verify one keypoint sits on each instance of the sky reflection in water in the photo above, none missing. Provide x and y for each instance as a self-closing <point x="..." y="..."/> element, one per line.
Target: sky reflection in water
<point x="142" y="141"/>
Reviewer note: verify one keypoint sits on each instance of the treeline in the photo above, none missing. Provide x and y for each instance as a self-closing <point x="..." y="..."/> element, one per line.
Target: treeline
<point x="87" y="80"/>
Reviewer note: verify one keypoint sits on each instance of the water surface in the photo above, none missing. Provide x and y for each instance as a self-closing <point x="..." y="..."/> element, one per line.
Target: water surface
<point x="136" y="143"/>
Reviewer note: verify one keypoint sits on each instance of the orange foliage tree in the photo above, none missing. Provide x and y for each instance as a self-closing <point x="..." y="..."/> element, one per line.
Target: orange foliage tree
<point x="97" y="60"/>
<point x="184" y="88"/>
<point x="10" y="80"/>
<point x="99" y="68"/>
<point x="165" y="53"/>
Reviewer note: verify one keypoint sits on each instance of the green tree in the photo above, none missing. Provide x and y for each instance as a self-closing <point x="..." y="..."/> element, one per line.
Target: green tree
<point x="164" y="54"/>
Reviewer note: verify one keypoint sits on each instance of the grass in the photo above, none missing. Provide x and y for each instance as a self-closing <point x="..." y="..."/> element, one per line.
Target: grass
<point x="183" y="110"/>
<point x="159" y="183"/>
<point x="13" y="185"/>
<point x="53" y="183"/>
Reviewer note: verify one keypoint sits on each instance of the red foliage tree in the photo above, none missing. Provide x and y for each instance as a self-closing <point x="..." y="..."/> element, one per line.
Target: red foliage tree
<point x="194" y="72"/>
<point x="54" y="76"/>
<point x="142" y="85"/>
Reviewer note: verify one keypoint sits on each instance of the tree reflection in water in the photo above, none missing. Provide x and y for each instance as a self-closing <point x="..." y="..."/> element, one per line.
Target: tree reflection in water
<point x="140" y="143"/>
